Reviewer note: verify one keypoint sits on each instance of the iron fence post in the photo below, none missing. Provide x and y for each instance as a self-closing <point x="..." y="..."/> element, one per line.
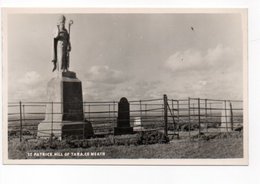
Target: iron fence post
<point x="189" y="116"/>
<point x="114" y="119"/>
<point x="226" y="114"/>
<point x="140" y="102"/>
<point x="89" y="112"/>
<point x="109" y="115"/>
<point x="84" y="122"/>
<point x="178" y="115"/>
<point x="174" y="124"/>
<point x="23" y="114"/>
<point x="21" y="121"/>
<point x="52" y="121"/>
<point x="199" y="113"/>
<point x="231" y="116"/>
<point x="206" y="114"/>
<point x="210" y="114"/>
<point x="165" y="115"/>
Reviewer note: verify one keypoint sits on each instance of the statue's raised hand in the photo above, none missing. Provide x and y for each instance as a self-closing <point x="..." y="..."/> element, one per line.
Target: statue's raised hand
<point x="54" y="64"/>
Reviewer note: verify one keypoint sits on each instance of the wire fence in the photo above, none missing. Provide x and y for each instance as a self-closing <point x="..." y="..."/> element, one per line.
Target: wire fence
<point x="184" y="117"/>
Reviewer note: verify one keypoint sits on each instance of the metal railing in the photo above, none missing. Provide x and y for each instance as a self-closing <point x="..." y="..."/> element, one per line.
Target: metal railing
<point x="192" y="115"/>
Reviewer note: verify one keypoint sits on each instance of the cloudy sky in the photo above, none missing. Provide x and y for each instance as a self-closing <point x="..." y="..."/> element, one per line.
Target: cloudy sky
<point x="139" y="56"/>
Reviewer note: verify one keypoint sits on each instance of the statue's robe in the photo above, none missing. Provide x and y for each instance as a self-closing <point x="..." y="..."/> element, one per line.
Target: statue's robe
<point x="61" y="48"/>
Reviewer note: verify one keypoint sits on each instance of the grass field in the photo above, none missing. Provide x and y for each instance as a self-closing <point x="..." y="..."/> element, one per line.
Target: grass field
<point x="227" y="147"/>
<point x="214" y="145"/>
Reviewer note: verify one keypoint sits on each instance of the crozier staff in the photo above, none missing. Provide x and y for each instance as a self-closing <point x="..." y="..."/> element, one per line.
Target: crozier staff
<point x="61" y="45"/>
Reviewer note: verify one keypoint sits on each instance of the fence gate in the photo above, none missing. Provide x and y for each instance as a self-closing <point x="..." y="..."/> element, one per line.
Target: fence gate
<point x="173" y="108"/>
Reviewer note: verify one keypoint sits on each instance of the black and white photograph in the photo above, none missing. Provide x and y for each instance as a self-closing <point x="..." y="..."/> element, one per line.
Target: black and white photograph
<point x="125" y="86"/>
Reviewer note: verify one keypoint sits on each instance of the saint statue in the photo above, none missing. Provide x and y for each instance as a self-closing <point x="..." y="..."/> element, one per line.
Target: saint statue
<point x="61" y="45"/>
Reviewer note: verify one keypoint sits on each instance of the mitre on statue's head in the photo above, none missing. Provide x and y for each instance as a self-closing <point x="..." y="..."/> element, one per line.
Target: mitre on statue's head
<point x="61" y="19"/>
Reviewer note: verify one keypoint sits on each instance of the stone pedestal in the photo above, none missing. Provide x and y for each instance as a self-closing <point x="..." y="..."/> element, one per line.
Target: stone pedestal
<point x="72" y="97"/>
<point x="123" y="119"/>
<point x="64" y="111"/>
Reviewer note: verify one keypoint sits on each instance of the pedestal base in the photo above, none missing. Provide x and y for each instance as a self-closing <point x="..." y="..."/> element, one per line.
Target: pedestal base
<point x="123" y="130"/>
<point x="47" y="128"/>
<point x="77" y="130"/>
<point x="66" y="129"/>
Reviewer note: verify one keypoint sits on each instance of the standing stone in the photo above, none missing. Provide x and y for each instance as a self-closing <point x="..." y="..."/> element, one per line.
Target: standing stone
<point x="123" y="119"/>
<point x="226" y="117"/>
<point x="138" y="124"/>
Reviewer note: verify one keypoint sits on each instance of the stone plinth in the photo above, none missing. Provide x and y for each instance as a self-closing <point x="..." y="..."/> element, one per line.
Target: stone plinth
<point x="72" y="97"/>
<point x="123" y="119"/>
<point x="64" y="110"/>
<point x="78" y="130"/>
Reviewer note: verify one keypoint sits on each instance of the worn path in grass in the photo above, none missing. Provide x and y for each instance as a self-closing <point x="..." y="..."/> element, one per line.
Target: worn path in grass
<point x="216" y="148"/>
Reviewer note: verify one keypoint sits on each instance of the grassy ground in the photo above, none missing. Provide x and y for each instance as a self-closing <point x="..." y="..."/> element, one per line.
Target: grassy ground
<point x="230" y="147"/>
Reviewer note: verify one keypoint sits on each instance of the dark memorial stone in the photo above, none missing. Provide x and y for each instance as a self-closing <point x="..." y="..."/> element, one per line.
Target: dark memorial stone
<point x="72" y="98"/>
<point x="123" y="119"/>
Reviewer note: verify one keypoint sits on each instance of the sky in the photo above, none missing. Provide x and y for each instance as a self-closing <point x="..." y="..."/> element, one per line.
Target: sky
<point x="137" y="56"/>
